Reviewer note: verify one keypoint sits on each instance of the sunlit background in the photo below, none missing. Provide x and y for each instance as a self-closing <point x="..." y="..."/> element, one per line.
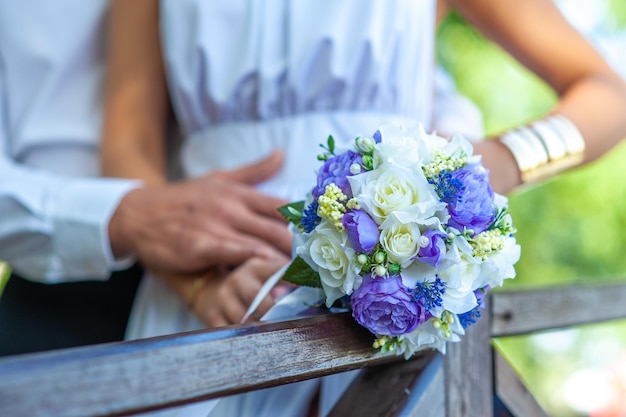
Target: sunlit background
<point x="571" y="229"/>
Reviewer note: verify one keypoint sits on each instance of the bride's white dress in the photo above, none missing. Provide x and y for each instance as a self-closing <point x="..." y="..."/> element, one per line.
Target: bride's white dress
<point x="248" y="76"/>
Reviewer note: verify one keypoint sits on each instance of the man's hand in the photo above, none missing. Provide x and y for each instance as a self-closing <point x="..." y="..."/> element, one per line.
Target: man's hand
<point x="218" y="219"/>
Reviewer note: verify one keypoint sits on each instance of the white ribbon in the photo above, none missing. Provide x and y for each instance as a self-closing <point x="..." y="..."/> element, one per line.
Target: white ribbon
<point x="265" y="289"/>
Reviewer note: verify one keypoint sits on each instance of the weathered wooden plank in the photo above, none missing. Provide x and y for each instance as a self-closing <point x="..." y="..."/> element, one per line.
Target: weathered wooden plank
<point x="122" y="378"/>
<point x="468" y="372"/>
<point x="512" y="391"/>
<point x="397" y="389"/>
<point x="429" y="394"/>
<point x="517" y="312"/>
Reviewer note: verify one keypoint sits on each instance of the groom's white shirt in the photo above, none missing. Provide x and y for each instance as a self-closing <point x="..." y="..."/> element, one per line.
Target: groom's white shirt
<point x="54" y="213"/>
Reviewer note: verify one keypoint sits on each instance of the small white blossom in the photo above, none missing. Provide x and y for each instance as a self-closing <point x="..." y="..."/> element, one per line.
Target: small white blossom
<point x="355" y="169"/>
<point x="365" y="144"/>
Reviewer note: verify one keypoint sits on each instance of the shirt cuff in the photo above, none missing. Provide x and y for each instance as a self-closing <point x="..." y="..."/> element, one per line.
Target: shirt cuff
<point x="82" y="211"/>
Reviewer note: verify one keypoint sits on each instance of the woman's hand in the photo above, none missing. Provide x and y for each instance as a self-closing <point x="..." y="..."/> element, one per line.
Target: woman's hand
<point x="222" y="296"/>
<point x="503" y="171"/>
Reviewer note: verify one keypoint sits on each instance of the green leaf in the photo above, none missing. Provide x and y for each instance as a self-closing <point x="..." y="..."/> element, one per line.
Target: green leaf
<point x="329" y="148"/>
<point x="331" y="144"/>
<point x="300" y="273"/>
<point x="293" y="212"/>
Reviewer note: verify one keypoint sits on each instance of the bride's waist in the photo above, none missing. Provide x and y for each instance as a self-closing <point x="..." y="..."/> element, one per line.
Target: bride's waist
<point x="229" y="146"/>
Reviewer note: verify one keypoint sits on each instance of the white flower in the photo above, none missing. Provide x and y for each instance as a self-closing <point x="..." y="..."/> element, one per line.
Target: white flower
<point x="398" y="146"/>
<point x="365" y="144"/>
<point x="499" y="266"/>
<point x="459" y="270"/>
<point x="329" y="254"/>
<point x="400" y="240"/>
<point x="455" y="148"/>
<point x="392" y="189"/>
<point x="427" y="336"/>
<point x="299" y="239"/>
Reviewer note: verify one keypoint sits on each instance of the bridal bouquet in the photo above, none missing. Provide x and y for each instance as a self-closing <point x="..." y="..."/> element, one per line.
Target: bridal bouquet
<point x="404" y="230"/>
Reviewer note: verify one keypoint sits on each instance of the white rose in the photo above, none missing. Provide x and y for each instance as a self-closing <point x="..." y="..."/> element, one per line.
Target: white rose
<point x="398" y="146"/>
<point x="328" y="253"/>
<point x="400" y="240"/>
<point x="392" y="189"/>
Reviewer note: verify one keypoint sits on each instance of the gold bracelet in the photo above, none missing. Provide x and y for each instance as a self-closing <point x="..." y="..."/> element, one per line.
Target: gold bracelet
<point x="197" y="286"/>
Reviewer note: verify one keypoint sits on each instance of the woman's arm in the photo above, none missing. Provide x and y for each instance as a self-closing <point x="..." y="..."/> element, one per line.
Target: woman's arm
<point x="592" y="95"/>
<point x="137" y="106"/>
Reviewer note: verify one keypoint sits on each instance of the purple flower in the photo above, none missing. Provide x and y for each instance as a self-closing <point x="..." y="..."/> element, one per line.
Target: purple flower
<point x="435" y="251"/>
<point x="385" y="307"/>
<point x="480" y="294"/>
<point x="473" y="206"/>
<point x="336" y="170"/>
<point x="362" y="231"/>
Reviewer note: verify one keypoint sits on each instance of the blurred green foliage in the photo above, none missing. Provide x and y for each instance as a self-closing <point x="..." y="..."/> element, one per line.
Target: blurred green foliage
<point x="570" y="229"/>
<point x="618" y="14"/>
<point x="4" y="275"/>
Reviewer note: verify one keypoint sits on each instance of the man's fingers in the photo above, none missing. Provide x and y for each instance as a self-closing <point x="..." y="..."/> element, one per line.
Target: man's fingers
<point x="267" y="230"/>
<point x="219" y="244"/>
<point x="258" y="171"/>
<point x="233" y="253"/>
<point x="256" y="201"/>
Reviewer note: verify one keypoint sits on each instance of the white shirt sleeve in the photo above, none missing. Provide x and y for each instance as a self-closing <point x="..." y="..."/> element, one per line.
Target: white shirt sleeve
<point x="54" y="228"/>
<point x="54" y="211"/>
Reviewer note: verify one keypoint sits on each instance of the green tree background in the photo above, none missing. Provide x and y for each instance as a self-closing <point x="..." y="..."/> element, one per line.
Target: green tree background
<point x="570" y="228"/>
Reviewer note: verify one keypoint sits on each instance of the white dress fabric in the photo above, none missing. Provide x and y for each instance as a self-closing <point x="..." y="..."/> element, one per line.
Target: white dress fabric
<point x="249" y="76"/>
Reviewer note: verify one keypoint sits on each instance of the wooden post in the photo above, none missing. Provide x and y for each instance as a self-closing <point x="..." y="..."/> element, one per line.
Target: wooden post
<point x="407" y="388"/>
<point x="468" y="372"/>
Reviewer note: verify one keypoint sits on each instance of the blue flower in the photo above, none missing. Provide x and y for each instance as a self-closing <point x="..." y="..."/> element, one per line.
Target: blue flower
<point x="429" y="294"/>
<point x="310" y="219"/>
<point x="448" y="188"/>
<point x="469" y="318"/>
<point x="337" y="170"/>
<point x="472" y="206"/>
<point x="472" y="316"/>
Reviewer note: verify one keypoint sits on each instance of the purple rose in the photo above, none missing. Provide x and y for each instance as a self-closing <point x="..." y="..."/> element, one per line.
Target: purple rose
<point x="473" y="206"/>
<point x="435" y="251"/>
<point x="336" y="170"/>
<point x="362" y="231"/>
<point x="385" y="307"/>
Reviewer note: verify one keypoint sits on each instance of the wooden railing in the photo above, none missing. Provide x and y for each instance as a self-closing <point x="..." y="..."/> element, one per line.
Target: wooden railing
<point x="130" y="377"/>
